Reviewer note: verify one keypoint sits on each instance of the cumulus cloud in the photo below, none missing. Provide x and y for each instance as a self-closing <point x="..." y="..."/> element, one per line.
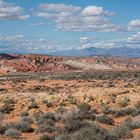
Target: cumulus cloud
<point x="58" y="7"/>
<point x="73" y="18"/>
<point x="134" y="39"/>
<point x="134" y="24"/>
<point x="10" y="11"/>
<point x="95" y="11"/>
<point x="131" y="41"/>
<point x="22" y="44"/>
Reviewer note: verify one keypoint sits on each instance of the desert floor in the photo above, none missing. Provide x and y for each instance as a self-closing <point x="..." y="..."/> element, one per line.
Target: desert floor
<point x="70" y="104"/>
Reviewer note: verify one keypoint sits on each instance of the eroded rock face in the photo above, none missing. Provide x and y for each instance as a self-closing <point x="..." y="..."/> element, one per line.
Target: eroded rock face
<point x="46" y="63"/>
<point x="34" y="63"/>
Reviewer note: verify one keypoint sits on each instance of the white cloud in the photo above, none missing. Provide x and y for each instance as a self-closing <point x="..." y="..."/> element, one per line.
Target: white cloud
<point x="134" y="24"/>
<point x="132" y="41"/>
<point x="47" y="15"/>
<point x="10" y="11"/>
<point x="134" y="38"/>
<point x="58" y="7"/>
<point x="19" y="43"/>
<point x="37" y="24"/>
<point x="84" y="39"/>
<point x="10" y="38"/>
<point x="94" y="11"/>
<point x="73" y="18"/>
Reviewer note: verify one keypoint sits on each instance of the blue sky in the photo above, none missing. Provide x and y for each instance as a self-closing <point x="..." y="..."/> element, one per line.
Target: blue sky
<point x="43" y="26"/>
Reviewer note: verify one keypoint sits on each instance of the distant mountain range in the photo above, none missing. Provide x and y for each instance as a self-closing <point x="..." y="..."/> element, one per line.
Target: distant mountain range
<point x="120" y="51"/>
<point x="89" y="52"/>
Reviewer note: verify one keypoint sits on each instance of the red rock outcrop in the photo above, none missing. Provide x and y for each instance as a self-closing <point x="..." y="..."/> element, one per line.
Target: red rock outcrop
<point x="46" y="63"/>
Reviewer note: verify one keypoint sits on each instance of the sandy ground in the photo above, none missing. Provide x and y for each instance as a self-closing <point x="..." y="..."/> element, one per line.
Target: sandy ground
<point x="97" y="93"/>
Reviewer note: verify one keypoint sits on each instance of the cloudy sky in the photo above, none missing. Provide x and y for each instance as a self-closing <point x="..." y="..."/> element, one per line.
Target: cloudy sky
<point x="44" y="26"/>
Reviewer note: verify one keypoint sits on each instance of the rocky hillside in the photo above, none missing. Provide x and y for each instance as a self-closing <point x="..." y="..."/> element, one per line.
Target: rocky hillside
<point x="45" y="63"/>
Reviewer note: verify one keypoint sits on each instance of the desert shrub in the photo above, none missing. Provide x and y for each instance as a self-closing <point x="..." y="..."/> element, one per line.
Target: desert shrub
<point x="129" y="123"/>
<point x="73" y="125"/>
<point x="113" y="98"/>
<point x="45" y="122"/>
<point x="123" y="112"/>
<point x="41" y="80"/>
<point x="124" y="102"/>
<point x="86" y="115"/>
<point x="78" y="115"/>
<point x="93" y="132"/>
<point x="122" y="131"/>
<point x="105" y="120"/>
<point x="1" y="117"/>
<point x="106" y="109"/>
<point x="91" y="98"/>
<point x="70" y="115"/>
<point x="109" y="84"/>
<point x="64" y="137"/>
<point x="12" y="133"/>
<point x="46" y="137"/>
<point x="6" y="108"/>
<point x="129" y="111"/>
<point x="2" y="128"/>
<point x="84" y="106"/>
<point x="72" y="100"/>
<point x="9" y="101"/>
<point x="47" y="103"/>
<point x="5" y="126"/>
<point x="24" y="113"/>
<point x="23" y="126"/>
<point x="33" y="105"/>
<point x="61" y="109"/>
<point x="119" y="113"/>
<point x="63" y="103"/>
<point x="49" y="115"/>
<point x="72" y="120"/>
<point x="45" y="128"/>
<point x="138" y="107"/>
<point x="47" y="118"/>
<point x="27" y="119"/>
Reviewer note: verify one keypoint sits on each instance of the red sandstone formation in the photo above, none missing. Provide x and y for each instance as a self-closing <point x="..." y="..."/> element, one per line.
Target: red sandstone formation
<point x="46" y="63"/>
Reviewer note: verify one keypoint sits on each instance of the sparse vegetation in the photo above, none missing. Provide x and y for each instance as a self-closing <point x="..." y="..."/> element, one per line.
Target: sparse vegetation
<point x="68" y="109"/>
<point x="45" y="128"/>
<point x="84" y="106"/>
<point x="33" y="105"/>
<point x="124" y="102"/>
<point x="138" y="107"/>
<point x="27" y="119"/>
<point x="6" y="109"/>
<point x="23" y="126"/>
<point x="46" y="118"/>
<point x="24" y="113"/>
<point x="47" y="103"/>
<point x="105" y="119"/>
<point x="88" y="133"/>
<point x="9" y="101"/>
<point x="46" y="137"/>
<point x="122" y="131"/>
<point x="12" y="133"/>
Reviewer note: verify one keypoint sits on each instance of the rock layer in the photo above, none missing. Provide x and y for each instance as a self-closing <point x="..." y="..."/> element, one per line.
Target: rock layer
<point x="45" y="63"/>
